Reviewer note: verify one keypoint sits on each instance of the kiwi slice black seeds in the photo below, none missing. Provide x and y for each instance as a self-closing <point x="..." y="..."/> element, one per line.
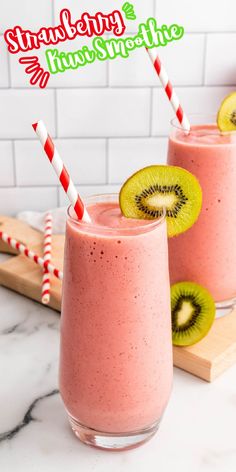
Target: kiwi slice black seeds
<point x="233" y="117"/>
<point x="196" y="310"/>
<point x="176" y="190"/>
<point x="192" y="313"/>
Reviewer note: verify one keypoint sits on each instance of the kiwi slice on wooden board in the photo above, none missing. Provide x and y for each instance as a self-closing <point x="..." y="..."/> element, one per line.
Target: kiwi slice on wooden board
<point x="148" y="191"/>
<point x="192" y="313"/>
<point x="226" y="118"/>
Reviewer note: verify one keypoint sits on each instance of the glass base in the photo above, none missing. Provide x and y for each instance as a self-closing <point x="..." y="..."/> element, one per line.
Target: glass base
<point x="112" y="441"/>
<point x="225" y="307"/>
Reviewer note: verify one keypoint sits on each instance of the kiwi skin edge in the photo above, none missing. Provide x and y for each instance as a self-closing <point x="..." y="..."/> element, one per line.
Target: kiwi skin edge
<point x="224" y="122"/>
<point x="163" y="175"/>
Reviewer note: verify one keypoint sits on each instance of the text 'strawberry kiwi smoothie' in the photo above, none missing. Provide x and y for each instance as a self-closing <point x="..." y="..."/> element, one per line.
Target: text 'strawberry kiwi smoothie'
<point x="116" y="352"/>
<point x="206" y="253"/>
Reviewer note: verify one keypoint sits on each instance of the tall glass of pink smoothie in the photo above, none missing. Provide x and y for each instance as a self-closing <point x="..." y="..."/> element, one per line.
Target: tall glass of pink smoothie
<point x="116" y="347"/>
<point x="206" y="254"/>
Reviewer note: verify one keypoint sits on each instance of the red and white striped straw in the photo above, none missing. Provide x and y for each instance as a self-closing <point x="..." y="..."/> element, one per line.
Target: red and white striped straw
<point x="47" y="248"/>
<point x="170" y="92"/>
<point x="61" y="171"/>
<point x="22" y="249"/>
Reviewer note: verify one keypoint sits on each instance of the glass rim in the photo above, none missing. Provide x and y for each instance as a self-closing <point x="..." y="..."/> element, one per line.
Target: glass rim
<point x="208" y="119"/>
<point x="138" y="229"/>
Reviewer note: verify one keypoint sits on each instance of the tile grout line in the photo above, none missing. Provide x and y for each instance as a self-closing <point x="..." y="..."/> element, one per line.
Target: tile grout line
<point x="155" y="9"/>
<point x="108" y="74"/>
<point x="58" y="187"/>
<point x="14" y="162"/>
<point x="56" y="113"/>
<point x="58" y="197"/>
<point x="55" y="90"/>
<point x="89" y="138"/>
<point x="151" y="112"/>
<point x="53" y="13"/>
<point x="118" y="87"/>
<point x="9" y="71"/>
<point x="55" y="95"/>
<point x="107" y="160"/>
<point x="204" y="61"/>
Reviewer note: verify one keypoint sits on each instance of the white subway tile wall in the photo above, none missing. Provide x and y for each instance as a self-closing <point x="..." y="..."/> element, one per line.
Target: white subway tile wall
<point x="106" y="112"/>
<point x="137" y="70"/>
<point x="4" y="74"/>
<point x="109" y="118"/>
<point x="93" y="75"/>
<point x="220" y="65"/>
<point x="20" y="108"/>
<point x="16" y="199"/>
<point x="200" y="100"/>
<point x="202" y="16"/>
<point x="85" y="160"/>
<point x="126" y="156"/>
<point x="7" y="174"/>
<point x="143" y="8"/>
<point x="25" y="13"/>
<point x="86" y="191"/>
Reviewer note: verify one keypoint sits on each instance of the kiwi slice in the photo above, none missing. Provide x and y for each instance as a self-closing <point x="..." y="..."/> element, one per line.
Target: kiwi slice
<point x="192" y="313"/>
<point x="226" y="118"/>
<point x="148" y="191"/>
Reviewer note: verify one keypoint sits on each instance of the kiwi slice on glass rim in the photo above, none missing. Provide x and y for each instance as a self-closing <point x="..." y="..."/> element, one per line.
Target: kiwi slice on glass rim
<point x="148" y="191"/>
<point x="226" y="118"/>
<point x="192" y="313"/>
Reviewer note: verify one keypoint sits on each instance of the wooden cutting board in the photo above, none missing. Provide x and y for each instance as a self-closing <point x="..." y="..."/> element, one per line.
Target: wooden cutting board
<point x="206" y="359"/>
<point x="21" y="274"/>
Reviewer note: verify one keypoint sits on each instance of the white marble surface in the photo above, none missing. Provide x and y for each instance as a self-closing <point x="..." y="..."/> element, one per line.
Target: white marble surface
<point x="198" y="432"/>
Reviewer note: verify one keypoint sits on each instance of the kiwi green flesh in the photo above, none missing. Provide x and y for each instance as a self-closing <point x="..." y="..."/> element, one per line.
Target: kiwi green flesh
<point x="192" y="312"/>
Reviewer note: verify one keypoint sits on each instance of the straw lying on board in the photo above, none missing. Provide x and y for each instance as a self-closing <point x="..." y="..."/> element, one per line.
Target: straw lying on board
<point x="22" y="249"/>
<point x="47" y="248"/>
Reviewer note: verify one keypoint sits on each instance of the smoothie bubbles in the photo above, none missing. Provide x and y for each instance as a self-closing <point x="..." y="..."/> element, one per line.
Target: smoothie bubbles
<point x="116" y="356"/>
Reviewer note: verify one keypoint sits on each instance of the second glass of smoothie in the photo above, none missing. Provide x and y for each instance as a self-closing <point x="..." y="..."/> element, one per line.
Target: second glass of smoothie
<point x="206" y="253"/>
<point x="116" y="346"/>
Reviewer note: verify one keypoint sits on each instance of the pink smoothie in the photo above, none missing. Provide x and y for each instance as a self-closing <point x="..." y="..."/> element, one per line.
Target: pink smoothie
<point x="206" y="253"/>
<point x="116" y="353"/>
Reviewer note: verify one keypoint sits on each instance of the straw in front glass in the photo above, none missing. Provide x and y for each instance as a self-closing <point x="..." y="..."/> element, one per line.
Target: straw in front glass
<point x="61" y="171"/>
